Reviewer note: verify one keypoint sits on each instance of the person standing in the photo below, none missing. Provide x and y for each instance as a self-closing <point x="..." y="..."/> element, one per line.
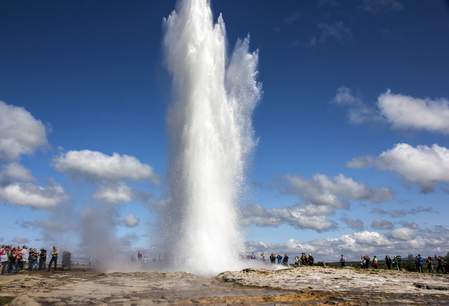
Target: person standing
<point x="279" y="258"/>
<point x="272" y="258"/>
<point x="388" y="261"/>
<point x="419" y="263"/>
<point x="54" y="258"/>
<point x="4" y="258"/>
<point x="375" y="263"/>
<point x="429" y="264"/>
<point x="42" y="259"/>
<point x="342" y="261"/>
<point x="285" y="260"/>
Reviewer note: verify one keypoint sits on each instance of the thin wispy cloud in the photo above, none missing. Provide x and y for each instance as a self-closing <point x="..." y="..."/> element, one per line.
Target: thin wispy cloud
<point x="337" y="32"/>
<point x="397" y="213"/>
<point x="301" y="217"/>
<point x="358" y="111"/>
<point x="292" y="18"/>
<point x="382" y="224"/>
<point x="353" y="223"/>
<point x="377" y="6"/>
<point x="336" y="191"/>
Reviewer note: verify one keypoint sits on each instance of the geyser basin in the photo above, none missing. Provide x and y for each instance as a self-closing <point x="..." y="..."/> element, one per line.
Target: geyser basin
<point x="211" y="136"/>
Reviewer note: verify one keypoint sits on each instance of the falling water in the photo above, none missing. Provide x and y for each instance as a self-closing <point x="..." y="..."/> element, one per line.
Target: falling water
<point x="211" y="135"/>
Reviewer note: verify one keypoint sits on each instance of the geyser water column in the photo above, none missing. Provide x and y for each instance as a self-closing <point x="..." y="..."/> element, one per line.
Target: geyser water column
<point x="211" y="135"/>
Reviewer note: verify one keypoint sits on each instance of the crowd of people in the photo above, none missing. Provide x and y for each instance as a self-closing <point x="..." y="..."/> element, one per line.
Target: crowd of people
<point x="422" y="264"/>
<point x="438" y="264"/>
<point x="15" y="259"/>
<point x="277" y="258"/>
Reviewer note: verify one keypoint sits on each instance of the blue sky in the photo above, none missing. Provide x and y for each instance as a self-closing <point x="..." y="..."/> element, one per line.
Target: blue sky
<point x="93" y="74"/>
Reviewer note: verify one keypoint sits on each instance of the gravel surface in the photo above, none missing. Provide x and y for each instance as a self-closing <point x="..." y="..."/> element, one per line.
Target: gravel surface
<point x="301" y="286"/>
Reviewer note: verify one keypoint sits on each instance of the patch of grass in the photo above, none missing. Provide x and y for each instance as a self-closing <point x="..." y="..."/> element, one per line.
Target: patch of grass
<point x="5" y="299"/>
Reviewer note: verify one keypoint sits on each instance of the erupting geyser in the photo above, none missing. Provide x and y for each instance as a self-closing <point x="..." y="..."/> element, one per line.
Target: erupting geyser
<point x="211" y="135"/>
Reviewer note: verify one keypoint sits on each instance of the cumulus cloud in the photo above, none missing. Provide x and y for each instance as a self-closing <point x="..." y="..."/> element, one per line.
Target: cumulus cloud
<point x="375" y="6"/>
<point x="20" y="132"/>
<point x="114" y="194"/>
<point x="131" y="220"/>
<point x="102" y="167"/>
<point x="422" y="165"/>
<point x="303" y="217"/>
<point x="397" y="213"/>
<point x="337" y="191"/>
<point x="382" y="224"/>
<point x="14" y="172"/>
<point x="403" y="233"/>
<point x="401" y="111"/>
<point x="337" y="31"/>
<point x="406" y="112"/>
<point x="353" y="223"/>
<point x="36" y="196"/>
<point x="17" y="187"/>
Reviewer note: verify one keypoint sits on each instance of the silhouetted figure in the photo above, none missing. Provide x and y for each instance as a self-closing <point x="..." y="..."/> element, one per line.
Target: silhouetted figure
<point x="388" y="262"/>
<point x="285" y="260"/>
<point x="42" y="259"/>
<point x="279" y="258"/>
<point x="342" y="261"/>
<point x="429" y="264"/>
<point x="272" y="258"/>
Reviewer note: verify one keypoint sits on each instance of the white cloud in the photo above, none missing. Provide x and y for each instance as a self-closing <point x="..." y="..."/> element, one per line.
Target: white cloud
<point x="303" y="217"/>
<point x="406" y="112"/>
<point x="403" y="233"/>
<point x="422" y="165"/>
<point x="401" y="241"/>
<point x="396" y="213"/>
<point x="99" y="166"/>
<point x="401" y="111"/>
<point x="14" y="172"/>
<point x="20" y="132"/>
<point x="114" y="194"/>
<point x="28" y="194"/>
<point x="131" y="220"/>
<point x="358" y="111"/>
<point x="336" y="192"/>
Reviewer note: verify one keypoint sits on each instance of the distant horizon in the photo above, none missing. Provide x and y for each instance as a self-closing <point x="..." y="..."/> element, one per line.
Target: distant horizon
<point x="351" y="131"/>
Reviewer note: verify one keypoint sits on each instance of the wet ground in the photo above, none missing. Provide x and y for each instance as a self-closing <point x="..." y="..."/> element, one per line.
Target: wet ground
<point x="302" y="286"/>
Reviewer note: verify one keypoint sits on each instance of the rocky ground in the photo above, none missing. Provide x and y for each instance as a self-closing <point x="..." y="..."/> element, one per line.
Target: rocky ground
<point x="301" y="286"/>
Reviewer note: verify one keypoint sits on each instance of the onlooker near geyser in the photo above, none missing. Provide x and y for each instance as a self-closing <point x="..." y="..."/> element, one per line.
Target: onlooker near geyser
<point x="211" y="135"/>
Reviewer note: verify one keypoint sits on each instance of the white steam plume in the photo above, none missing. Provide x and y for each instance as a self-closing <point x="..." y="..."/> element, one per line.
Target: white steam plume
<point x="211" y="135"/>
